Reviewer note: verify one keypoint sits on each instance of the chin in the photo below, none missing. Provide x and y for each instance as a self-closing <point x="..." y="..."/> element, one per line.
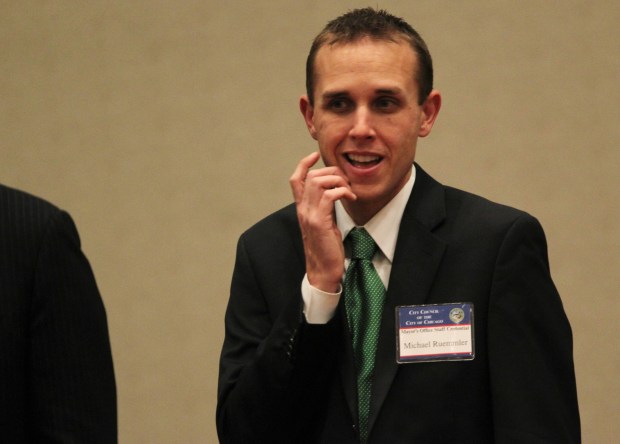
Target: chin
<point x="364" y="194"/>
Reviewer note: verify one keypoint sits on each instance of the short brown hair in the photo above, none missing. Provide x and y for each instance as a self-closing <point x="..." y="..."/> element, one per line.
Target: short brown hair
<point x="379" y="25"/>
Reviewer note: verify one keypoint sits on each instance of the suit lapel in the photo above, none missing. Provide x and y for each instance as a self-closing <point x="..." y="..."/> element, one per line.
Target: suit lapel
<point x="416" y="260"/>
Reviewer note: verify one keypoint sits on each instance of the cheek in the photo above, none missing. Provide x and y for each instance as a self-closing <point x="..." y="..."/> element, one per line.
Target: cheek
<point x="401" y="140"/>
<point x="403" y="149"/>
<point x="398" y="129"/>
<point x="330" y="133"/>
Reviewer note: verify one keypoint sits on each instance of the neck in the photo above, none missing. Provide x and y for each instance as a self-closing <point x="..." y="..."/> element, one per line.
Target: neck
<point x="361" y="212"/>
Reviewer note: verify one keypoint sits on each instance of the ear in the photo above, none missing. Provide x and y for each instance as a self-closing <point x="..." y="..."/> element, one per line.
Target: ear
<point x="307" y="110"/>
<point x="430" y="109"/>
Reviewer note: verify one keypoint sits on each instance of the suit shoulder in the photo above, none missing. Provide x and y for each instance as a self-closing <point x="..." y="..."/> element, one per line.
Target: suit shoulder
<point x="277" y="237"/>
<point x="481" y="206"/>
<point x="277" y="224"/>
<point x="14" y="199"/>
<point x="20" y="209"/>
<point x="477" y="214"/>
<point x="474" y="223"/>
<point x="26" y="221"/>
<point x="435" y="204"/>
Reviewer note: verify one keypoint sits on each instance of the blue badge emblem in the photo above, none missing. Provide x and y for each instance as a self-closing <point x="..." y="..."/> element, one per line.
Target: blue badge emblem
<point x="457" y="315"/>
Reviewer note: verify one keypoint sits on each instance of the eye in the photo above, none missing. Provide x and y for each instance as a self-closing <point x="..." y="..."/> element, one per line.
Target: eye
<point x="386" y="104"/>
<point x="339" y="105"/>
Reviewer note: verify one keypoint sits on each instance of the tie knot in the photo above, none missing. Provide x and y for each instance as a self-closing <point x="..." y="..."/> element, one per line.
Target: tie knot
<point x="362" y="244"/>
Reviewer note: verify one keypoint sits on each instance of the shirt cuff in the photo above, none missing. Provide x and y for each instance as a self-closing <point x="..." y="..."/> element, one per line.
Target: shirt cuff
<point x="319" y="306"/>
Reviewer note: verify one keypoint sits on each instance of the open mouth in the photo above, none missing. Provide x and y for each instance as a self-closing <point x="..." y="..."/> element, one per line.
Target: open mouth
<point x="363" y="160"/>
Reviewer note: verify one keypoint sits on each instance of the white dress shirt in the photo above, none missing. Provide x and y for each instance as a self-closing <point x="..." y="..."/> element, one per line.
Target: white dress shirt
<point x="320" y="306"/>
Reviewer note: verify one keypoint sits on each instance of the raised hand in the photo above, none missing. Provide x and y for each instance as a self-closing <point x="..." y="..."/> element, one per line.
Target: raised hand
<point x="315" y="192"/>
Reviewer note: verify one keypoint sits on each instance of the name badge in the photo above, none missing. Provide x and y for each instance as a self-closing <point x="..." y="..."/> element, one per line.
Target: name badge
<point x="436" y="332"/>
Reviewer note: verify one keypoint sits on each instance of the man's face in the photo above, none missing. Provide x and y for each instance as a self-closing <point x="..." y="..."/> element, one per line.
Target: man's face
<point x="366" y="116"/>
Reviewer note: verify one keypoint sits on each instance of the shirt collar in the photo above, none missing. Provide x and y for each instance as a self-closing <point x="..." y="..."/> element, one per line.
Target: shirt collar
<point x="383" y="227"/>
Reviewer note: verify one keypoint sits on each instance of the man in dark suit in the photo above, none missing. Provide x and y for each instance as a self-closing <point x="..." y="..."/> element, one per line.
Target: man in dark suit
<point x="292" y="369"/>
<point x="56" y="376"/>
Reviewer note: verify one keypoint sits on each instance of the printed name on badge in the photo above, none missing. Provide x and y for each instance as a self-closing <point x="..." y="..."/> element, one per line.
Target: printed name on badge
<point x="436" y="332"/>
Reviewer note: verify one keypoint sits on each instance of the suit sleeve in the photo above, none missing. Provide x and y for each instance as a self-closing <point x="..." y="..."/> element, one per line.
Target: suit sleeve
<point x="73" y="392"/>
<point x="274" y="366"/>
<point x="530" y="345"/>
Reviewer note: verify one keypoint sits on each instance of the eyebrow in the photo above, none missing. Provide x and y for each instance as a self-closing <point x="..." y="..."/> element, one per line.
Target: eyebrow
<point x="333" y="94"/>
<point x="380" y="91"/>
<point x="389" y="91"/>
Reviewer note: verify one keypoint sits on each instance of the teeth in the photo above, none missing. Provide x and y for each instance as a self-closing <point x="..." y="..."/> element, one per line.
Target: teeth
<point x="363" y="158"/>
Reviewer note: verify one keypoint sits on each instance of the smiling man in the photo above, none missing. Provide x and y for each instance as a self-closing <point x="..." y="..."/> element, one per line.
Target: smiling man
<point x="333" y="297"/>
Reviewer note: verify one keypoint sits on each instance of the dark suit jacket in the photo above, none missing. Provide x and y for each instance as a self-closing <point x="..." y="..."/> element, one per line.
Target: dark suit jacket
<point x="56" y="376"/>
<point x="283" y="380"/>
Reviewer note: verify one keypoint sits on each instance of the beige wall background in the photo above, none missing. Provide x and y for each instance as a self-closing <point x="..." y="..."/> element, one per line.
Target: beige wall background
<point x="167" y="128"/>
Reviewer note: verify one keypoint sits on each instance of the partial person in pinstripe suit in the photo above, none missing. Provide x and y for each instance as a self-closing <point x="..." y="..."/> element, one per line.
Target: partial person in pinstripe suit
<point x="56" y="374"/>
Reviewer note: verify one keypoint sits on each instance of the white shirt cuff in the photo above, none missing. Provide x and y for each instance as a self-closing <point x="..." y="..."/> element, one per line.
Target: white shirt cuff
<point x="319" y="306"/>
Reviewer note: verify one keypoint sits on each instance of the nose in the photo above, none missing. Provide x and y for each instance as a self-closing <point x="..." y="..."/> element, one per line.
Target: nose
<point x="362" y="126"/>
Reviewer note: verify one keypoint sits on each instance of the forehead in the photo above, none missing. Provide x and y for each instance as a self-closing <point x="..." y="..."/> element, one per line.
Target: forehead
<point x="364" y="60"/>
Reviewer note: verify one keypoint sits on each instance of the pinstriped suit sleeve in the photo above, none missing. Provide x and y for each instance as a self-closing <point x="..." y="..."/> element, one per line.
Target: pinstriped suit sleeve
<point x="58" y="379"/>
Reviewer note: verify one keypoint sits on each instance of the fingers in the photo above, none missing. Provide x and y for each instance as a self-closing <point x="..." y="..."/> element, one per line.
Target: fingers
<point x="316" y="192"/>
<point x="299" y="175"/>
<point x="306" y="163"/>
<point x="328" y="188"/>
<point x="306" y="183"/>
